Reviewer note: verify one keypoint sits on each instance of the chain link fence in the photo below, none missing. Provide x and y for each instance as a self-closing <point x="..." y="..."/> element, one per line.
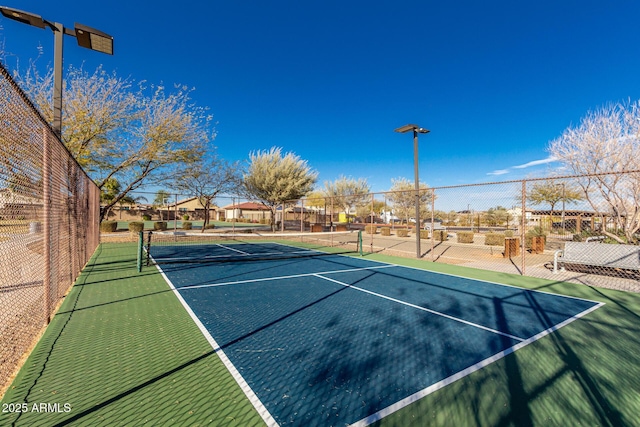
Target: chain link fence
<point x="49" y="214"/>
<point x="583" y="229"/>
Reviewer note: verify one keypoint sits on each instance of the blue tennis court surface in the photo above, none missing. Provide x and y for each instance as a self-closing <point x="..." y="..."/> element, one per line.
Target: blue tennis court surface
<point x="335" y="340"/>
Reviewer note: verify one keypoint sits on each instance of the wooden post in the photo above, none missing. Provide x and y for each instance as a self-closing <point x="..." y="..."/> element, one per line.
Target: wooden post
<point x="511" y="247"/>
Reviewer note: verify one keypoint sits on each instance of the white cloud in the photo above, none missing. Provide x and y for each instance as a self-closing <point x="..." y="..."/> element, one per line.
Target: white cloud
<point x="549" y="159"/>
<point x="498" y="172"/>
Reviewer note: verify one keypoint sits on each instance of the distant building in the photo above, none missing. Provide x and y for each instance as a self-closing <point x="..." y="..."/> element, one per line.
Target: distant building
<point x="19" y="206"/>
<point x="250" y="211"/>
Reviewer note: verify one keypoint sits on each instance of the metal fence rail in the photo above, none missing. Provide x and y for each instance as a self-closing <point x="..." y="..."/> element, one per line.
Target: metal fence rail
<point x="49" y="214"/>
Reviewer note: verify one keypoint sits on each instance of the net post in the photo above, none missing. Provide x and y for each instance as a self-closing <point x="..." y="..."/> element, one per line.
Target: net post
<point x="149" y="247"/>
<point x="140" y="246"/>
<point x="359" y="249"/>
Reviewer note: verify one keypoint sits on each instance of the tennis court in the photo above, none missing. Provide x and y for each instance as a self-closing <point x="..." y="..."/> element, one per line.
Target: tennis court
<point x="326" y="339"/>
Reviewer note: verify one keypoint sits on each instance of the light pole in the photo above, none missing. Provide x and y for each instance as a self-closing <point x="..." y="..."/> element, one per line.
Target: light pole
<point x="563" y="205"/>
<point x="416" y="130"/>
<point x="87" y="37"/>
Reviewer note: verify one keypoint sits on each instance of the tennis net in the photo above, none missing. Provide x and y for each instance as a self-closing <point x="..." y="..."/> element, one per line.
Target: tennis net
<point x="194" y="247"/>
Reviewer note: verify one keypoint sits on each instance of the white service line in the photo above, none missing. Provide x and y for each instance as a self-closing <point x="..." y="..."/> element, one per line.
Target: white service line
<point x="233" y="249"/>
<point x="459" y="375"/>
<point x="495" y="331"/>
<point x="293" y="276"/>
<point x="248" y="391"/>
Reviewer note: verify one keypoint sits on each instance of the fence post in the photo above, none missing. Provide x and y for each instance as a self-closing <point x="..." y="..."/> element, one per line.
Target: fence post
<point x="433" y="208"/>
<point x="175" y="215"/>
<point x="371" y="215"/>
<point x="46" y="211"/>
<point x="523" y="231"/>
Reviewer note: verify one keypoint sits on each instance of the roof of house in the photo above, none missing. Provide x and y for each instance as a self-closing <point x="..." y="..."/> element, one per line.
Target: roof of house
<point x="248" y="206"/>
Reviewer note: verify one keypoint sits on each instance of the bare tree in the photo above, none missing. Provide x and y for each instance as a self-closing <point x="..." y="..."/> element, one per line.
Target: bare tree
<point x="208" y="179"/>
<point x="274" y="179"/>
<point x="605" y="147"/>
<point x="348" y="193"/>
<point x="136" y="136"/>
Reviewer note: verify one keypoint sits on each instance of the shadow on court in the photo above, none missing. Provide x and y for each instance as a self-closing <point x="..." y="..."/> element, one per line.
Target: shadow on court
<point x="122" y="351"/>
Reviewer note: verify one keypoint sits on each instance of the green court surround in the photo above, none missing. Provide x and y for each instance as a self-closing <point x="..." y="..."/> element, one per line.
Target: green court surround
<point x="122" y="351"/>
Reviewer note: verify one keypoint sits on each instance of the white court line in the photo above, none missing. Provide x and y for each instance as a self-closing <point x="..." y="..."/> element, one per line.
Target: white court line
<point x="412" y="398"/>
<point x="459" y="375"/>
<point x="424" y="270"/>
<point x="293" y="276"/>
<point x="233" y="249"/>
<point x="457" y="319"/>
<point x="253" y="398"/>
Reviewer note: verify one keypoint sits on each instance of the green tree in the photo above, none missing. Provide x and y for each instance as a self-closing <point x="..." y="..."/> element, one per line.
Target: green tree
<point x="348" y="193"/>
<point x="403" y="197"/>
<point x="274" y="178"/>
<point x="553" y="193"/>
<point x="161" y="200"/>
<point x="316" y="199"/>
<point x="365" y="210"/>
<point x="496" y="216"/>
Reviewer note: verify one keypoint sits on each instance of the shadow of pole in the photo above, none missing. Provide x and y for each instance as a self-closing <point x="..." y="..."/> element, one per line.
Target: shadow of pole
<point x="607" y="414"/>
<point x="519" y="411"/>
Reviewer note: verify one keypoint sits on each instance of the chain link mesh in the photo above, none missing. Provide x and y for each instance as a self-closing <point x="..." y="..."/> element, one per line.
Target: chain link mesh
<point x="49" y="214"/>
<point x="567" y="228"/>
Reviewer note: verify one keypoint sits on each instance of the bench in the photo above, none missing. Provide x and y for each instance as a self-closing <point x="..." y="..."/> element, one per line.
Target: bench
<point x="598" y="255"/>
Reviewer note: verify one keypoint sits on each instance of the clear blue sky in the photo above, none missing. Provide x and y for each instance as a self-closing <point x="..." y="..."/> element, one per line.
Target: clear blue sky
<point x="330" y="80"/>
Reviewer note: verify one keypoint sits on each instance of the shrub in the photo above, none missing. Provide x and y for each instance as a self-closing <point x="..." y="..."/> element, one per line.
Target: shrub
<point x="440" y="235"/>
<point x="371" y="229"/>
<point x="385" y="231"/>
<point x="210" y="226"/>
<point x="108" y="226"/>
<point x="136" y="226"/>
<point x="465" y="236"/>
<point x="146" y="217"/>
<point x="402" y="232"/>
<point x="424" y="234"/>
<point x="508" y="233"/>
<point x="160" y="226"/>
<point x="186" y="225"/>
<point x="534" y="232"/>
<point x="185" y="217"/>
<point x="494" y="239"/>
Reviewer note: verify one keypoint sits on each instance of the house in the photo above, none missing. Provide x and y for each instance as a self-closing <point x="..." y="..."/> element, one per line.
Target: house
<point x="19" y="206"/>
<point x="249" y="211"/>
<point x="191" y="207"/>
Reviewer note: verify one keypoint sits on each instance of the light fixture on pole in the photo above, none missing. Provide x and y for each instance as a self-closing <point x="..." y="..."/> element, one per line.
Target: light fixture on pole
<point x="87" y="37"/>
<point x="416" y="130"/>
